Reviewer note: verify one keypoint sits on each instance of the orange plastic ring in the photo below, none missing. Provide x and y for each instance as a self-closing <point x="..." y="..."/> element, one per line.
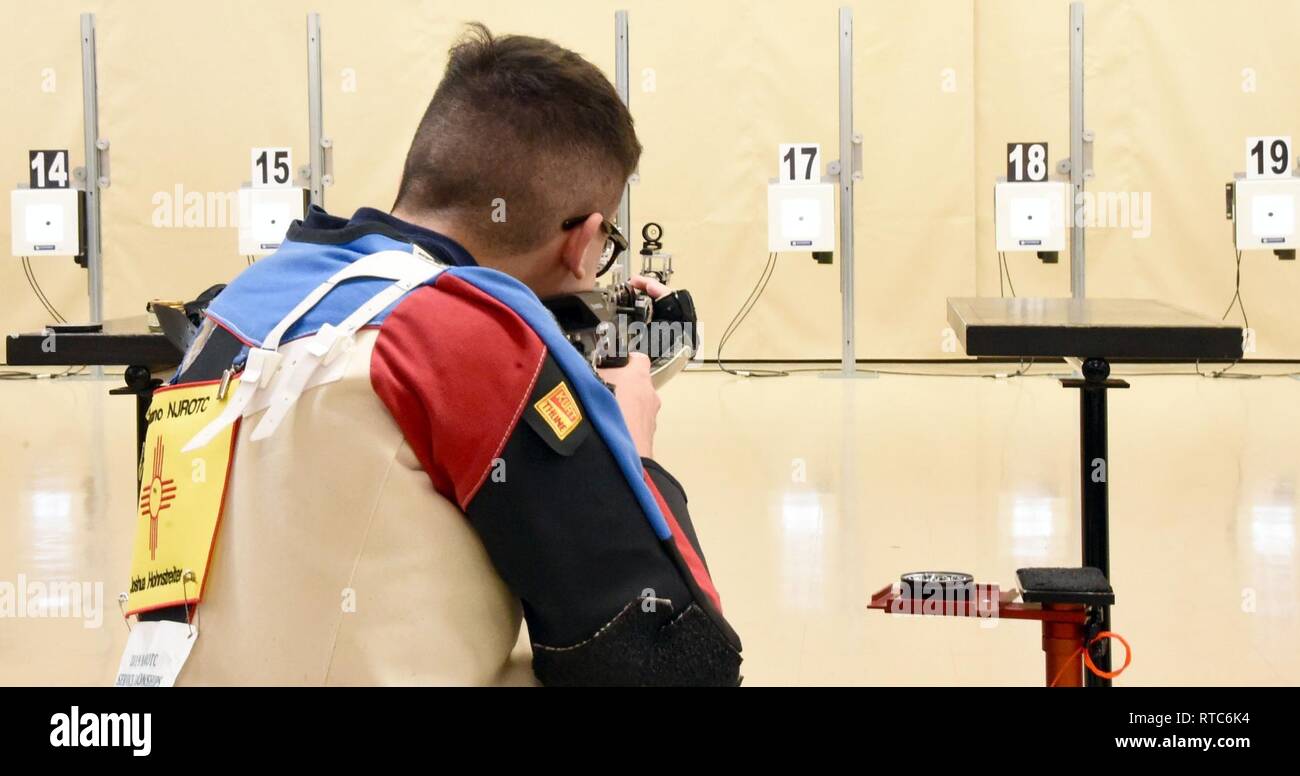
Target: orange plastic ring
<point x="1128" y="655"/>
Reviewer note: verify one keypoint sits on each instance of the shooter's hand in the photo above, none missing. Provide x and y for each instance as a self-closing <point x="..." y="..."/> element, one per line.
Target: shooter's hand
<point x="637" y="399"/>
<point x="651" y="286"/>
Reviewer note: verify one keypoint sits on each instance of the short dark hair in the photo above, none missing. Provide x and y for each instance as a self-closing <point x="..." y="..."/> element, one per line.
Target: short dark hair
<point x="521" y="120"/>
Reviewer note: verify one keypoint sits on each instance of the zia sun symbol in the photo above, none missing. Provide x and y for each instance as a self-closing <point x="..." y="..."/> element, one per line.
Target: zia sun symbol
<point x="155" y="496"/>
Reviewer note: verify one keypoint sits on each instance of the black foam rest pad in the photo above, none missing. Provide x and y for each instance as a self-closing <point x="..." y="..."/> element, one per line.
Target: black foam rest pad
<point x="1085" y="585"/>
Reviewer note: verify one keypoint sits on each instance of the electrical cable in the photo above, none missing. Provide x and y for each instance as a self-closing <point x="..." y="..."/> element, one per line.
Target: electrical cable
<point x="1236" y="297"/>
<point x="1022" y="371"/>
<point x="749" y="300"/>
<point x="39" y="292"/>
<point x="1003" y="267"/>
<point x="12" y="374"/>
<point x="1239" y="302"/>
<point x="769" y="269"/>
<point x="1002" y="262"/>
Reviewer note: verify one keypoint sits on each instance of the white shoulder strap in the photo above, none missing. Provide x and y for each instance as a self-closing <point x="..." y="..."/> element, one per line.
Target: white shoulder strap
<point x="393" y="265"/>
<point x="406" y="270"/>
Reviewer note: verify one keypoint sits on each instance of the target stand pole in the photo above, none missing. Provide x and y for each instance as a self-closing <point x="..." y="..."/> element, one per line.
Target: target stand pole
<point x="1094" y="468"/>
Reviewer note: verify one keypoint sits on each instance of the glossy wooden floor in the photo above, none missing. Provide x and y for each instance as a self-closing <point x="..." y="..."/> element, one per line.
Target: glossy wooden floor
<point x="809" y="493"/>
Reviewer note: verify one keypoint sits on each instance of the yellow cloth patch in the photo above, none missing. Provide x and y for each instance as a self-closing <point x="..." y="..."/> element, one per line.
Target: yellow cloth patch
<point x="181" y="496"/>
<point x="559" y="410"/>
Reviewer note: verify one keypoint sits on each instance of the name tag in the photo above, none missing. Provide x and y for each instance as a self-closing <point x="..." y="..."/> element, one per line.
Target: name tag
<point x="155" y="653"/>
<point x="181" y="495"/>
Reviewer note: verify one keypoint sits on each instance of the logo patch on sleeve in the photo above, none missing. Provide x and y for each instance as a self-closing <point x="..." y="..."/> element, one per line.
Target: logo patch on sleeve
<point x="559" y="411"/>
<point x="554" y="411"/>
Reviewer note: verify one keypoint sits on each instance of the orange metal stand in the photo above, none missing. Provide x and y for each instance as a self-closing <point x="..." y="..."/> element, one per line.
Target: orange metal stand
<point x="1064" y="625"/>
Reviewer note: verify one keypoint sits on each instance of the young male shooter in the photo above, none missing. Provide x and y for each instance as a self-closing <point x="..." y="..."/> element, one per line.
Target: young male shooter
<point x="461" y="465"/>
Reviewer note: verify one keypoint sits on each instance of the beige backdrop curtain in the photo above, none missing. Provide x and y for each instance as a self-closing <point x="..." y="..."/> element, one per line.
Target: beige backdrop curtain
<point x="1174" y="88"/>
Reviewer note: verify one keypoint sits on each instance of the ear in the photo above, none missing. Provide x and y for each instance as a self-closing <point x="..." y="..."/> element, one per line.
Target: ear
<point x="573" y="252"/>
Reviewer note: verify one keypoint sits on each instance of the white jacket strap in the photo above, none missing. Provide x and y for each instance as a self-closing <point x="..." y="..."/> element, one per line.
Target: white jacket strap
<point x="263" y="366"/>
<point x="393" y="265"/>
<point x="328" y="344"/>
<point x="259" y="366"/>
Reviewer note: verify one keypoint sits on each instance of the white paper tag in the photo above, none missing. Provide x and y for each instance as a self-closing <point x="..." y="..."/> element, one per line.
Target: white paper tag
<point x="155" y="653"/>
